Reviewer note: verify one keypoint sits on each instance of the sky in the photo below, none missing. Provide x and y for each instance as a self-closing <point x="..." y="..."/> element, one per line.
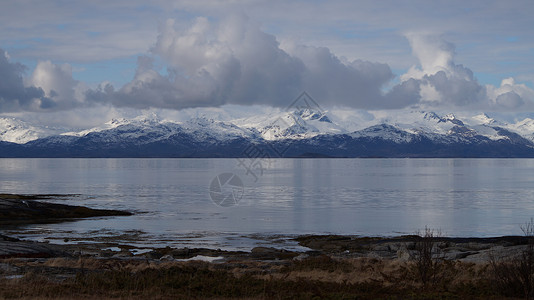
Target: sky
<point x="79" y="63"/>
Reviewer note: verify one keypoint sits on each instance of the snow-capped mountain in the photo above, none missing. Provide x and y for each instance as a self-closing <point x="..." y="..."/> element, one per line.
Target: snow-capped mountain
<point x="299" y="124"/>
<point x="524" y="128"/>
<point x="200" y="126"/>
<point x="303" y="132"/>
<point x="17" y="131"/>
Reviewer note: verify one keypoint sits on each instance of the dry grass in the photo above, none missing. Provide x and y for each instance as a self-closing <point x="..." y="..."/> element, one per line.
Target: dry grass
<point x="320" y="277"/>
<point x="514" y="275"/>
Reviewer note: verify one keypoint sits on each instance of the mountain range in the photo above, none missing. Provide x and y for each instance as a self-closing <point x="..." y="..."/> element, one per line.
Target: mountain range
<point x="298" y="133"/>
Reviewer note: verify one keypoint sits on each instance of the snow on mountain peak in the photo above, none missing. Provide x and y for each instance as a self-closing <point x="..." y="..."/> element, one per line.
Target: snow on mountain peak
<point x="113" y="123"/>
<point x="287" y="125"/>
<point x="452" y="118"/>
<point x="204" y="127"/>
<point x="117" y="122"/>
<point x="525" y="128"/>
<point x="311" y="114"/>
<point x="432" y="116"/>
<point x="527" y="124"/>
<point x="17" y="131"/>
<point x="418" y="122"/>
<point x="301" y="123"/>
<point x="484" y="119"/>
<point x="200" y="122"/>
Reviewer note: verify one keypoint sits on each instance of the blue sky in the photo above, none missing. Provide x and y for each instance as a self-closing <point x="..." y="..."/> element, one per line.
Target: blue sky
<point x="182" y="54"/>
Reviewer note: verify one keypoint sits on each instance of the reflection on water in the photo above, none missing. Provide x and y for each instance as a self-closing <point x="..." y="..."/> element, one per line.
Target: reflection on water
<point x="462" y="197"/>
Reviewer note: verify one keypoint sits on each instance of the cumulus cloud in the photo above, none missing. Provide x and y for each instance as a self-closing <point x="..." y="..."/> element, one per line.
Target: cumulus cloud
<point x="445" y="83"/>
<point x="50" y="87"/>
<point x="442" y="81"/>
<point x="510" y="100"/>
<point x="14" y="95"/>
<point x="510" y="94"/>
<point x="58" y="84"/>
<point x="232" y="61"/>
<point x="211" y="65"/>
<point x="355" y="84"/>
<point x="434" y="55"/>
<point x="235" y="62"/>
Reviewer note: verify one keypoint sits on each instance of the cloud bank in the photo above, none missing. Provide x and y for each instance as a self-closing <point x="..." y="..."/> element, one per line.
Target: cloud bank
<point x="234" y="62"/>
<point x="215" y="63"/>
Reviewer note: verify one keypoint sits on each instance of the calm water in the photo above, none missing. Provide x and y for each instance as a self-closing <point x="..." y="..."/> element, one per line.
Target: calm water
<point x="171" y="198"/>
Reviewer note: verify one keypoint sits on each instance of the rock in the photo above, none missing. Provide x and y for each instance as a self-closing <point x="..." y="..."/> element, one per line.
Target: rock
<point x="182" y="253"/>
<point x="454" y="255"/>
<point x="166" y="258"/>
<point x="29" y="249"/>
<point x="7" y="268"/>
<point x="8" y="239"/>
<point x="380" y="248"/>
<point x="327" y="243"/>
<point x="394" y="247"/>
<point x="264" y="250"/>
<point x="478" y="246"/>
<point x="410" y="245"/>
<point x="300" y="257"/>
<point x="22" y="209"/>
<point x="267" y="253"/>
<point x="510" y="252"/>
<point x="403" y="254"/>
<point x="442" y="245"/>
<point x="153" y="255"/>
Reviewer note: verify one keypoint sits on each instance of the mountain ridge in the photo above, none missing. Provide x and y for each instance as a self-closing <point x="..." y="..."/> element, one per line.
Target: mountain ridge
<point x="299" y="133"/>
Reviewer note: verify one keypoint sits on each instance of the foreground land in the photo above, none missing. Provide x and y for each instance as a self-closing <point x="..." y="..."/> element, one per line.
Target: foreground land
<point x="336" y="267"/>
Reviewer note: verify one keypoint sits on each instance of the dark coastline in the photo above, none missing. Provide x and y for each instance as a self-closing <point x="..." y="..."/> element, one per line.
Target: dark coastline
<point x="21" y="209"/>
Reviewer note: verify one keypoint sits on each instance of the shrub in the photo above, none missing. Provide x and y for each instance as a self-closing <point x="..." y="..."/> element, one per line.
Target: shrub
<point x="428" y="257"/>
<point x="514" y="276"/>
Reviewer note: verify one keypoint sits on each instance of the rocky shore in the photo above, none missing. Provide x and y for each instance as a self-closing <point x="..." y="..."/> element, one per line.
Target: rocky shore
<point x="358" y="267"/>
<point x="332" y="267"/>
<point x="403" y="249"/>
<point x="17" y="209"/>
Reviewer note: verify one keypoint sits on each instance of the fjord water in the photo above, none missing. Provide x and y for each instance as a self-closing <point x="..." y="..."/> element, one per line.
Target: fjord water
<point x="281" y="198"/>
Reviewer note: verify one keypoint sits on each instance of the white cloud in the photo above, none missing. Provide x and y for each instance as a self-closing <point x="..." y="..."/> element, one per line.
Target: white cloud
<point x="234" y="62"/>
<point x="510" y="94"/>
<point x="447" y="84"/>
<point x="50" y="87"/>
<point x="57" y="83"/>
<point x="434" y="55"/>
<point x="443" y="82"/>
<point x="99" y="30"/>
<point x="14" y="94"/>
<point x="355" y="83"/>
